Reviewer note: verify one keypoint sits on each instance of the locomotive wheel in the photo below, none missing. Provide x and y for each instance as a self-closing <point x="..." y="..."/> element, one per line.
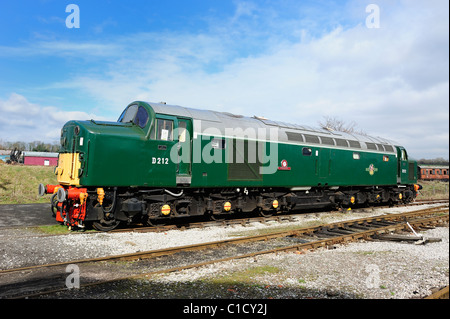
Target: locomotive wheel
<point x="54" y="202"/>
<point x="155" y="222"/>
<point x="106" y="225"/>
<point x="265" y="213"/>
<point x="217" y="217"/>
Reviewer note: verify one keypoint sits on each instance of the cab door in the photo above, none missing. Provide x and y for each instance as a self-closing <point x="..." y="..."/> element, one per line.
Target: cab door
<point x="184" y="151"/>
<point x="162" y="165"/>
<point x="402" y="174"/>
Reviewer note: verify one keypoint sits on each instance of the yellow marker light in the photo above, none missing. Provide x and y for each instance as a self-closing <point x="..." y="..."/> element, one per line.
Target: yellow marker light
<point x="165" y="210"/>
<point x="227" y="206"/>
<point x="275" y="204"/>
<point x="352" y="199"/>
<point x="400" y="196"/>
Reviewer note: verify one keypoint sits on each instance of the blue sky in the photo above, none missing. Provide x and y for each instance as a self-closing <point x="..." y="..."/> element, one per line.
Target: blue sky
<point x="288" y="60"/>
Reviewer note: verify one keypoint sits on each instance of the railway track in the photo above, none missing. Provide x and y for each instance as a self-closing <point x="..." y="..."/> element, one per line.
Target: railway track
<point x="441" y="294"/>
<point x="231" y="220"/>
<point x="34" y="281"/>
<point x="244" y="221"/>
<point x="291" y="217"/>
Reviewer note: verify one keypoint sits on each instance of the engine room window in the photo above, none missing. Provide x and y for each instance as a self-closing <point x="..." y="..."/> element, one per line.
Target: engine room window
<point x="354" y="144"/>
<point x="307" y="151"/>
<point x="341" y="142"/>
<point x="356" y="156"/>
<point x="164" y="130"/>
<point x="312" y="139"/>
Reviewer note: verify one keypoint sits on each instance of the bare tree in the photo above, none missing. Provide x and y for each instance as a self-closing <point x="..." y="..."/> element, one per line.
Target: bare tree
<point x="37" y="146"/>
<point x="336" y="124"/>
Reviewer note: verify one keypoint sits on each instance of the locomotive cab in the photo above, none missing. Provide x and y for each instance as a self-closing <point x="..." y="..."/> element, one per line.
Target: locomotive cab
<point x="99" y="161"/>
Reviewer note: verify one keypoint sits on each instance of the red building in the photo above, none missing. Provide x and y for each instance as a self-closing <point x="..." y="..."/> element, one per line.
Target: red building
<point x="40" y="158"/>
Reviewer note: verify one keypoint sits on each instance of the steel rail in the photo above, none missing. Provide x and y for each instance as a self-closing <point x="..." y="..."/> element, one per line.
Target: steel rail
<point x="309" y="246"/>
<point x="441" y="294"/>
<point x="364" y="234"/>
<point x="234" y="221"/>
<point x="294" y="232"/>
<point x="291" y="217"/>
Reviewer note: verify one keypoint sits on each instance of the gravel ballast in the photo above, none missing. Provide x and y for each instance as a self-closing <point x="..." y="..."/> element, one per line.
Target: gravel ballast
<point x="358" y="270"/>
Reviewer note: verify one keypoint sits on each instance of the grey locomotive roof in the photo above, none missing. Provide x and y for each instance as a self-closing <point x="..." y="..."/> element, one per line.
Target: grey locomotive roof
<point x="290" y="133"/>
<point x="40" y="154"/>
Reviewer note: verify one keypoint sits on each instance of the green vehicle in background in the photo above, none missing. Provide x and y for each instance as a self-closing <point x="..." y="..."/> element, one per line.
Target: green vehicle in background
<point x="160" y="161"/>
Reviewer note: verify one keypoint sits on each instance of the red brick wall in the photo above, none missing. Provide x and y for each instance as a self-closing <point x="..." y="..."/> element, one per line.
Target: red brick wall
<point x="32" y="160"/>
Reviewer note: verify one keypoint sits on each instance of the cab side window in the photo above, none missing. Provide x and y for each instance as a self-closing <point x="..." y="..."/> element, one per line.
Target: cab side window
<point x="164" y="130"/>
<point x="182" y="132"/>
<point x="404" y="157"/>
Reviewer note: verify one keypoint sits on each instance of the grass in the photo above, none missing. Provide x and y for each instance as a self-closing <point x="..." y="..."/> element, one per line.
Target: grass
<point x="54" y="230"/>
<point x="433" y="190"/>
<point x="247" y="276"/>
<point x="19" y="183"/>
<point x="60" y="230"/>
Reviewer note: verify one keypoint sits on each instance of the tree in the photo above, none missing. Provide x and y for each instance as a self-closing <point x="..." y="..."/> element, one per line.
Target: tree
<point x="41" y="148"/>
<point x="434" y="161"/>
<point x="335" y="124"/>
<point x="36" y="146"/>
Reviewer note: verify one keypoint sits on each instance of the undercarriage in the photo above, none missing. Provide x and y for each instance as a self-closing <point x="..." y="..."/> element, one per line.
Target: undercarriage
<point x="105" y="208"/>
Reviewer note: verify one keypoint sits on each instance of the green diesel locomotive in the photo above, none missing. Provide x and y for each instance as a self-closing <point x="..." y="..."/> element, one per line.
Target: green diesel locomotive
<point x="160" y="161"/>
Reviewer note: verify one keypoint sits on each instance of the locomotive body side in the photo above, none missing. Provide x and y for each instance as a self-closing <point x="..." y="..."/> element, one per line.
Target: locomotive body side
<point x="160" y="161"/>
<point x="306" y="165"/>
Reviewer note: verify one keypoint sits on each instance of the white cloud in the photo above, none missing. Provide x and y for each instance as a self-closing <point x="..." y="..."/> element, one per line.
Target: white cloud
<point x="61" y="49"/>
<point x="24" y="121"/>
<point x="18" y="106"/>
<point x="393" y="81"/>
